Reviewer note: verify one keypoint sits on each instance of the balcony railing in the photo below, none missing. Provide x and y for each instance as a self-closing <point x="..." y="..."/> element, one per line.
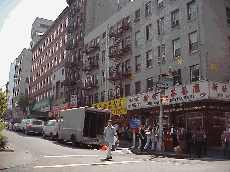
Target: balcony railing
<point x="120" y="28"/>
<point x="89" y="85"/>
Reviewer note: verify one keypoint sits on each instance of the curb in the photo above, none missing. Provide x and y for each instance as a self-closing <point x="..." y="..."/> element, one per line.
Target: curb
<point x="34" y="159"/>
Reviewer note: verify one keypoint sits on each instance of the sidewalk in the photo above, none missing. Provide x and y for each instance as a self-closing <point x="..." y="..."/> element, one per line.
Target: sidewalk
<point x="212" y="153"/>
<point x="14" y="157"/>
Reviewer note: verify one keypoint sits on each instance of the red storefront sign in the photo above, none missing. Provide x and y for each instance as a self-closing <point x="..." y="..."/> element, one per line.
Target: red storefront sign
<point x="56" y="109"/>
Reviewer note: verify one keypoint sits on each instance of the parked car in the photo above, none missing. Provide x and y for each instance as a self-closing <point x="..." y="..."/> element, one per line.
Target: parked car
<point x="50" y="129"/>
<point x="15" y="126"/>
<point x="6" y="124"/>
<point x="34" y="126"/>
<point x="22" y="125"/>
<point x="12" y="122"/>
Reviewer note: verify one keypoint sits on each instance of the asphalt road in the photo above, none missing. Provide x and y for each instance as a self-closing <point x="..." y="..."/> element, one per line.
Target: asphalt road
<point x="52" y="156"/>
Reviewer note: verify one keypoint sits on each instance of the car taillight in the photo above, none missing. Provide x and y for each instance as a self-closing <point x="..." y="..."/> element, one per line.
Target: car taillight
<point x="43" y="126"/>
<point x="29" y="125"/>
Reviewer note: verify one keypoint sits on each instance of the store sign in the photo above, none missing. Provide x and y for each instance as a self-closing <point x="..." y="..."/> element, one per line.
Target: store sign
<point x="42" y="105"/>
<point x="165" y="100"/>
<point x="219" y="90"/>
<point x="56" y="109"/>
<point x="73" y="101"/>
<point x="117" y="106"/>
<point x="179" y="94"/>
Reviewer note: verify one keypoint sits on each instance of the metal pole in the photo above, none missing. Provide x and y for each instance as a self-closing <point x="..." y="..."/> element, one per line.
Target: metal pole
<point x="161" y="79"/>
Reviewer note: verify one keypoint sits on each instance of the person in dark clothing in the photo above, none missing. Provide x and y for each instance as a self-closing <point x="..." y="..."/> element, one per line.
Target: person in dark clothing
<point x="188" y="141"/>
<point x="142" y="137"/>
<point x="199" y="139"/>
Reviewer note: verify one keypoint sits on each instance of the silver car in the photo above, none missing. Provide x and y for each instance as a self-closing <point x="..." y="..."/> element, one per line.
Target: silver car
<point x="34" y="126"/>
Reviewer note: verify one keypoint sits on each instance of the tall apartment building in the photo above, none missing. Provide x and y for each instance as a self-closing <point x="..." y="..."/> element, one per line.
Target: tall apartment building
<point x="126" y="56"/>
<point x="10" y="89"/>
<point x="21" y="80"/>
<point x="47" y="68"/>
<point x="84" y="17"/>
<point x="39" y="27"/>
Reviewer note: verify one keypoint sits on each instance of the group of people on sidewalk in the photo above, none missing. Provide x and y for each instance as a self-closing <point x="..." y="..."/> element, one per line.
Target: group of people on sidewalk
<point x="225" y="139"/>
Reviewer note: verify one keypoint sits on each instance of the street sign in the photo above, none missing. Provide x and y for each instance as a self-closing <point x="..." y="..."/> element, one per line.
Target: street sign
<point x="135" y="123"/>
<point x="165" y="100"/>
<point x="73" y="101"/>
<point x="163" y="86"/>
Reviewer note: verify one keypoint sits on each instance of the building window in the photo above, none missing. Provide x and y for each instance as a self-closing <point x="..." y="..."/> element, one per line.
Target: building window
<point x="194" y="75"/>
<point x="148" y="8"/>
<point x="177" y="77"/>
<point x="137" y="15"/>
<point x="149" y="32"/>
<point x="103" y="77"/>
<point x="138" y="63"/>
<point x="149" y="84"/>
<point x="65" y="39"/>
<point x="96" y="100"/>
<point x="102" y="96"/>
<point x="149" y="57"/>
<point x="176" y="48"/>
<point x="137" y="38"/>
<point x="192" y="10"/>
<point x="81" y="18"/>
<point x="175" y="18"/>
<point x="160" y="24"/>
<point x="163" y="54"/>
<point x="193" y="42"/>
<point x="63" y="72"/>
<point x="160" y="4"/>
<point x="104" y="35"/>
<point x="103" y="57"/>
<point x="228" y="15"/>
<point x="229" y="44"/>
<point x="127" y="90"/>
<point x="138" y="87"/>
<point x="110" y="94"/>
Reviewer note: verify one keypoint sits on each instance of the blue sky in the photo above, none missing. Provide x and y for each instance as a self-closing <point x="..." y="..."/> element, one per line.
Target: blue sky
<point x="16" y="19"/>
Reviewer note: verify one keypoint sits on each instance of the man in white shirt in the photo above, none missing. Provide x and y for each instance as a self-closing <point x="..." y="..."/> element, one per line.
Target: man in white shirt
<point x="109" y="133"/>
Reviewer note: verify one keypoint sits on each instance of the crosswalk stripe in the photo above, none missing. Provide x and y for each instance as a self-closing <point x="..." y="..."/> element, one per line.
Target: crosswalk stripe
<point x="73" y="165"/>
<point x="59" y="156"/>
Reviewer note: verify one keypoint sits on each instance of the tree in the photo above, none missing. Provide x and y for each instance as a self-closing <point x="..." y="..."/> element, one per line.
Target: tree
<point x="23" y="102"/>
<point x="2" y="102"/>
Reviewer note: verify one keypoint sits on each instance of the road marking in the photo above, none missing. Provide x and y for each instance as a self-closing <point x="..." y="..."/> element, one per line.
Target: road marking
<point x="100" y="164"/>
<point x="66" y="156"/>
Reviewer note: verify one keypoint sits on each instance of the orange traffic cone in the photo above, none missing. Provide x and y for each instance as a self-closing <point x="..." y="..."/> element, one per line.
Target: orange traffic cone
<point x="104" y="147"/>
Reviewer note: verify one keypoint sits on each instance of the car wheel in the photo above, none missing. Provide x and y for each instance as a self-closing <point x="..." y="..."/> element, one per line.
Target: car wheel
<point x="73" y="141"/>
<point x="58" y="139"/>
<point x="51" y="136"/>
<point x="44" y="135"/>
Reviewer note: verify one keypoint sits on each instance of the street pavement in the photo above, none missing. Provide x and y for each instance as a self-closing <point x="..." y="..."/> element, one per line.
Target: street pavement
<point x="32" y="153"/>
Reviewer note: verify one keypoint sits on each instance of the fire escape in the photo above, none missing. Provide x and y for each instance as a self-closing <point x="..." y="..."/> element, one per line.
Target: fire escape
<point x="118" y="50"/>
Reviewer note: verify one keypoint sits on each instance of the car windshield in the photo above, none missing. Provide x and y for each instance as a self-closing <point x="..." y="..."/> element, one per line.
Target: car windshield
<point x="37" y="122"/>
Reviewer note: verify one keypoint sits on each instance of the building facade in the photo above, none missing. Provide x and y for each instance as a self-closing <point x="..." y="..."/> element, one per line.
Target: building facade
<point x="84" y="17"/>
<point x="21" y="80"/>
<point x="130" y="52"/>
<point x="48" y="56"/>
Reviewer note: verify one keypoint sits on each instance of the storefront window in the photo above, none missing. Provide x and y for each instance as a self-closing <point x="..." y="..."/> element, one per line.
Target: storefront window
<point x="219" y="122"/>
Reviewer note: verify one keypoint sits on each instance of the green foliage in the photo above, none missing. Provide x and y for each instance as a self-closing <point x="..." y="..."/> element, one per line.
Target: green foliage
<point x="3" y="100"/>
<point x="2" y="126"/>
<point x="3" y="141"/>
<point x="23" y="101"/>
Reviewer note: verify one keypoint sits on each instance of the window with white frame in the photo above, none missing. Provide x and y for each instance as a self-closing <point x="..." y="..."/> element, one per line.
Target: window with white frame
<point x="138" y="63"/>
<point x="193" y="42"/>
<point x="66" y="22"/>
<point x="228" y="15"/>
<point x="103" y="77"/>
<point x="59" y="58"/>
<point x="138" y="87"/>
<point x="60" y="42"/>
<point x="175" y="18"/>
<point x="149" y="32"/>
<point x="149" y="58"/>
<point x="148" y="8"/>
<point x="149" y="84"/>
<point x="137" y="38"/>
<point x="160" y="4"/>
<point x="176" y="48"/>
<point x="163" y="54"/>
<point x="160" y="25"/>
<point x="65" y="38"/>
<point x="194" y="73"/>
<point x="137" y="15"/>
<point x="192" y="10"/>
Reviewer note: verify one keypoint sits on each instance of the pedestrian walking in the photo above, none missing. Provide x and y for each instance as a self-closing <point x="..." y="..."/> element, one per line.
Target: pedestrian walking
<point x="188" y="141"/>
<point x="225" y="138"/>
<point x="142" y="137"/>
<point x="149" y="135"/>
<point x="199" y="139"/>
<point x="110" y="134"/>
<point x="204" y="136"/>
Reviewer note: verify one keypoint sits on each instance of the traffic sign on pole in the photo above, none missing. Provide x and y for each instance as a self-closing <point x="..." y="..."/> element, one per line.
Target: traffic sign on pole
<point x="164" y="99"/>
